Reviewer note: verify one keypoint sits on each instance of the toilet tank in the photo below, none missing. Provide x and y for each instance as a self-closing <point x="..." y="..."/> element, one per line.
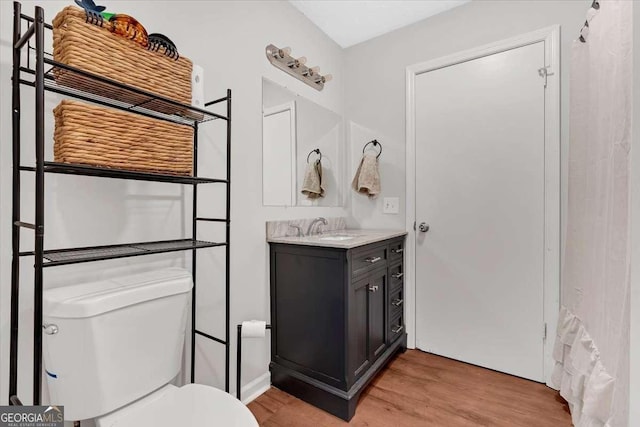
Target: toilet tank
<point x="116" y="341"/>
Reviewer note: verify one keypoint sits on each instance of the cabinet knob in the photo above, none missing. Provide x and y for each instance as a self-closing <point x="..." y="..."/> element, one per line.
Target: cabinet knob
<point x="397" y="302"/>
<point x="397" y="275"/>
<point x="373" y="288"/>
<point x="373" y="260"/>
<point x="397" y="251"/>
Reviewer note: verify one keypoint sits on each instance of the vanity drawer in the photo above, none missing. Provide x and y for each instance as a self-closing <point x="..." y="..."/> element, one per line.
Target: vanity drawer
<point x="396" y="302"/>
<point x="368" y="259"/>
<point x="396" y="275"/>
<point x="396" y="328"/>
<point x="396" y="250"/>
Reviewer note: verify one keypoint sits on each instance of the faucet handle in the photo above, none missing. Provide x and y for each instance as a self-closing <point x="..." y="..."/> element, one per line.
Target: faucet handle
<point x="298" y="230"/>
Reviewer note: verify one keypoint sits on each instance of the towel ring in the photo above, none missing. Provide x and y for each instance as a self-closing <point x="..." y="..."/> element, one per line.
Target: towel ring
<point x="375" y="144"/>
<point x="317" y="151"/>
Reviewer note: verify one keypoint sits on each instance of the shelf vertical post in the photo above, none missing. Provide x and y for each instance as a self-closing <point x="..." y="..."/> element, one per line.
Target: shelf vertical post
<point x="39" y="217"/>
<point x="228" y="249"/>
<point x="15" y="216"/>
<point x="194" y="230"/>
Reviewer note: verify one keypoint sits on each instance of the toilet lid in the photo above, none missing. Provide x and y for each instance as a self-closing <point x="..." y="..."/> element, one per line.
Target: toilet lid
<point x="193" y="405"/>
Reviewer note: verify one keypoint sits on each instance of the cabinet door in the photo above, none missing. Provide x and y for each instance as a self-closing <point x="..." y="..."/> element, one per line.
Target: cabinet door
<point x="377" y="289"/>
<point x="359" y="328"/>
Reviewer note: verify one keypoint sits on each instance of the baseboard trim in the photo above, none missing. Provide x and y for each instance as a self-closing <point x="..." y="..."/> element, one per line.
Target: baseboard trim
<point x="256" y="387"/>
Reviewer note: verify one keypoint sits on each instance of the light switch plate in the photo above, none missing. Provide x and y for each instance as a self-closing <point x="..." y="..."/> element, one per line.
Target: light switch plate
<point x="391" y="205"/>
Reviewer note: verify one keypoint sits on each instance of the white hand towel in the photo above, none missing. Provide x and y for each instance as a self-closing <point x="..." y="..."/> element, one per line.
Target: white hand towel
<point x="367" y="179"/>
<point x="312" y="184"/>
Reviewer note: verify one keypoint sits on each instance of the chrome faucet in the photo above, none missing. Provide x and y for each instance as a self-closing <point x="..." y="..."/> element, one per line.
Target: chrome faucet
<point x="314" y="222"/>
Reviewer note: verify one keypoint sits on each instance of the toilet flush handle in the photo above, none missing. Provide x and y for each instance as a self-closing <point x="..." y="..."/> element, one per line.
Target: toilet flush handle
<point x="50" y="328"/>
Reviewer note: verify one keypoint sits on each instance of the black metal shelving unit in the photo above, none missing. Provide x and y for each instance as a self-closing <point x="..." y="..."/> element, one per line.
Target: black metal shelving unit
<point x="92" y="88"/>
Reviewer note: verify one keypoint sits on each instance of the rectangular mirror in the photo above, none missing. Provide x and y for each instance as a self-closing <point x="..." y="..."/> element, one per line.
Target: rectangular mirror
<point x="293" y="128"/>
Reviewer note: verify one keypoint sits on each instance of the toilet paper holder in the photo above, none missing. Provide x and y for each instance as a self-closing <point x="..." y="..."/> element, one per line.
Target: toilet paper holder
<point x="239" y="359"/>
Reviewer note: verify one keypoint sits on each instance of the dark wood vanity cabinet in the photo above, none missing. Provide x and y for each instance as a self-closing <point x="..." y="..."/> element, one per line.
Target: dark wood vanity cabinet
<point x="337" y="319"/>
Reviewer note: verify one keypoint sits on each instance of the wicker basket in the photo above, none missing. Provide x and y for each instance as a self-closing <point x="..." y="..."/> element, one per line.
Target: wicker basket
<point x="96" y="50"/>
<point x="97" y="136"/>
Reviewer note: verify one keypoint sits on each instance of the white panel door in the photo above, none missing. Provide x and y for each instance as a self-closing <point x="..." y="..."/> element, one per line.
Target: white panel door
<point x="480" y="188"/>
<point x="279" y="155"/>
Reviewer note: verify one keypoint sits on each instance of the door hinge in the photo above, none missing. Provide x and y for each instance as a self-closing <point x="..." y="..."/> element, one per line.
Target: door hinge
<point x="544" y="332"/>
<point x="545" y="72"/>
<point x="414" y="226"/>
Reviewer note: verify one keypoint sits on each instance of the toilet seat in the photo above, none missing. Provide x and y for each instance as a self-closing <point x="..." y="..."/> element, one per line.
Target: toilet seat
<point x="192" y="405"/>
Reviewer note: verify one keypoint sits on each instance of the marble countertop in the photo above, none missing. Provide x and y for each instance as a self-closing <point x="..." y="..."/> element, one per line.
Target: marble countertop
<point x="344" y="239"/>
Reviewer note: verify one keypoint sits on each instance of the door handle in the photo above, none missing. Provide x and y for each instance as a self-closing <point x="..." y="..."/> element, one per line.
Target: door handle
<point x="373" y="260"/>
<point x="423" y="227"/>
<point x="373" y="288"/>
<point x="397" y="302"/>
<point x="397" y="275"/>
<point x="50" y="328"/>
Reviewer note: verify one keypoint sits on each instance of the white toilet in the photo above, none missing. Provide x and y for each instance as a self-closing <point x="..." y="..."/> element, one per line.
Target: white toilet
<point x="112" y="348"/>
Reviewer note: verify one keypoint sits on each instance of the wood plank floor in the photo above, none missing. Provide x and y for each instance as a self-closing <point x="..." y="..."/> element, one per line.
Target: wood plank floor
<point x="421" y="389"/>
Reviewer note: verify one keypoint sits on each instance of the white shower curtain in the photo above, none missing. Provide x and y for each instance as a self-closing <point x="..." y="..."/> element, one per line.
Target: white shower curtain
<point x="592" y="346"/>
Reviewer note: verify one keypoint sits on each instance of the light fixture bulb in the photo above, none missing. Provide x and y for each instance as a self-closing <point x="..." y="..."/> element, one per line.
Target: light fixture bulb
<point x="297" y="63"/>
<point x="285" y="51"/>
<point x="327" y="78"/>
<point x="314" y="70"/>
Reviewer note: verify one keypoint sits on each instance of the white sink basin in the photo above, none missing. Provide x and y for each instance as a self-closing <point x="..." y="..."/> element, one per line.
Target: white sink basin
<point x="336" y="238"/>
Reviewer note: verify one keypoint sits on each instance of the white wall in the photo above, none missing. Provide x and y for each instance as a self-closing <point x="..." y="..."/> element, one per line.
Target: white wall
<point x="634" y="380"/>
<point x="375" y="79"/>
<point x="228" y="39"/>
